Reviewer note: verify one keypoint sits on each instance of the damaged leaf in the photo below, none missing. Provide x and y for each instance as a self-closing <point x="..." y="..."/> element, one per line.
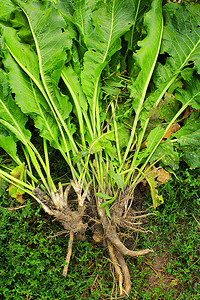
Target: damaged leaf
<point x="157" y="199"/>
<point x="18" y="172"/>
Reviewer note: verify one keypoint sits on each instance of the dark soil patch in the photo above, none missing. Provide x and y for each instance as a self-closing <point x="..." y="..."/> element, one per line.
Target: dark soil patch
<point x="159" y="278"/>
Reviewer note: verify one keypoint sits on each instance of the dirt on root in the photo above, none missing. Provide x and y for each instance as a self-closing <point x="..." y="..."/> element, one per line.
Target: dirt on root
<point x="116" y="227"/>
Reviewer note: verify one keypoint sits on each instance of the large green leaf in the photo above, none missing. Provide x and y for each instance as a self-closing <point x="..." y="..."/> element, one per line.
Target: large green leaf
<point x="190" y="92"/>
<point x="32" y="102"/>
<point x="189" y="135"/>
<point x="181" y="45"/>
<point x="111" y="20"/>
<point x="51" y="39"/>
<point x="6" y="8"/>
<point x="153" y="139"/>
<point x="44" y="66"/>
<point x="73" y="84"/>
<point x="181" y="38"/>
<point x="145" y="58"/>
<point x="167" y="155"/>
<point x="65" y="8"/>
<point x="82" y="19"/>
<point x="8" y="143"/>
<point x="23" y="54"/>
<point x="188" y="96"/>
<point x="134" y="34"/>
<point x="189" y="139"/>
<point x="7" y="140"/>
<point x="12" y="118"/>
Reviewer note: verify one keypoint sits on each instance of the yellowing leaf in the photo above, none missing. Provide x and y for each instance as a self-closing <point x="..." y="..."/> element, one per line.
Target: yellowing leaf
<point x="157" y="199"/>
<point x="15" y="191"/>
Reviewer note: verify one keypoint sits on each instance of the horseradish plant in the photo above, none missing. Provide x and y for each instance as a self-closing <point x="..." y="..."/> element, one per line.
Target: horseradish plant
<point x="114" y="87"/>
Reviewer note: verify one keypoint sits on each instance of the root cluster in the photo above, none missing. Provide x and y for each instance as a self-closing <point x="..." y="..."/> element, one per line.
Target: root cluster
<point x="76" y="211"/>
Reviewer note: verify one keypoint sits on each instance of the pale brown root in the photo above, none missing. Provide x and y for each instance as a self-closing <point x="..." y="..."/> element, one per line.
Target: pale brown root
<point x="13" y="208"/>
<point x="69" y="253"/>
<point x="65" y="195"/>
<point x="86" y="192"/>
<point x="116" y="266"/>
<point x="121" y="269"/>
<point x="57" y="234"/>
<point x="142" y="216"/>
<point x="112" y="236"/>
<point x="196" y="219"/>
<point x="98" y="233"/>
<point x="104" y="229"/>
<point x="126" y="274"/>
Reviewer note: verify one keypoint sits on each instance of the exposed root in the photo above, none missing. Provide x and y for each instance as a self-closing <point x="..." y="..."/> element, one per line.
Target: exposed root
<point x="75" y="215"/>
<point x="121" y="270"/>
<point x="69" y="253"/>
<point x="116" y="266"/>
<point x="143" y="216"/>
<point x="126" y="274"/>
<point x="112" y="236"/>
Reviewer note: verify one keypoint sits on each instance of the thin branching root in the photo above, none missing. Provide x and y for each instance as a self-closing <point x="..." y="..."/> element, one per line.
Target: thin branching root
<point x="122" y="224"/>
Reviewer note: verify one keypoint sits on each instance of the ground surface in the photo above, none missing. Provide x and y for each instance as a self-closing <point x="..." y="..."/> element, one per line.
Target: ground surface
<point x="33" y="250"/>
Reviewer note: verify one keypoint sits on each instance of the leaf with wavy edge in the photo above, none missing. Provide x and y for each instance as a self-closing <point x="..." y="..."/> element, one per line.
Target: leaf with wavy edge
<point x="111" y="21"/>
<point x="32" y="102"/>
<point x="44" y="68"/>
<point x="181" y="40"/>
<point x="82" y="19"/>
<point x="191" y="91"/>
<point x="10" y="112"/>
<point x="13" y="120"/>
<point x="189" y="140"/>
<point x="132" y="36"/>
<point x="65" y="8"/>
<point x="6" y="8"/>
<point x="28" y="96"/>
<point x="51" y="40"/>
<point x="145" y="58"/>
<point x="187" y="97"/>
<point x="147" y="55"/>
<point x="167" y="155"/>
<point x="8" y="143"/>
<point x="189" y="135"/>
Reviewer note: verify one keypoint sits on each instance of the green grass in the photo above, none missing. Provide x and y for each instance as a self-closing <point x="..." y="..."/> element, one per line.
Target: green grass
<point x="32" y="257"/>
<point x="175" y="240"/>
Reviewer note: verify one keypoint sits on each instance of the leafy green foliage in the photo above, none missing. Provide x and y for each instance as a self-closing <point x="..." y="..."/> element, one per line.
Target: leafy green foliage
<point x="11" y="116"/>
<point x="180" y="48"/>
<point x="188" y="137"/>
<point x="66" y="57"/>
